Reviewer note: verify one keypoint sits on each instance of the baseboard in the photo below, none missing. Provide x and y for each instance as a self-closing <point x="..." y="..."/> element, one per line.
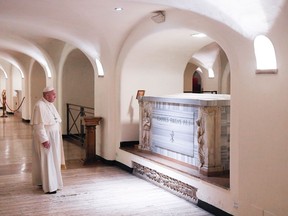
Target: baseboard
<point x="115" y="163"/>
<point x="212" y="209"/>
<point x="128" y="143"/>
<point x="26" y="120"/>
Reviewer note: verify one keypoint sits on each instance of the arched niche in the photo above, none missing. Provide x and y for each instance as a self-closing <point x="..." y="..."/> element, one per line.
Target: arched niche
<point x="209" y="57"/>
<point x="154" y="58"/>
<point x="77" y="83"/>
<point x="11" y="82"/>
<point x="155" y="65"/>
<point x="155" y="61"/>
<point x="196" y="82"/>
<point x="2" y="81"/>
<point x="160" y="67"/>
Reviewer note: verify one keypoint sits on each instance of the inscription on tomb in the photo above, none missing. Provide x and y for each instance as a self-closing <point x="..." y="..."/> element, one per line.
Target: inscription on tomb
<point x="193" y="129"/>
<point x="173" y="128"/>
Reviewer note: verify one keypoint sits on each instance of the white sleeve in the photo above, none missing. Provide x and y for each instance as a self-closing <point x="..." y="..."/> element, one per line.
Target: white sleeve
<point x="40" y="132"/>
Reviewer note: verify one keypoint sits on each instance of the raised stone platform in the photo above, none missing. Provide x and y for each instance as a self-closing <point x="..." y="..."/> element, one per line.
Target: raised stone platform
<point x="222" y="180"/>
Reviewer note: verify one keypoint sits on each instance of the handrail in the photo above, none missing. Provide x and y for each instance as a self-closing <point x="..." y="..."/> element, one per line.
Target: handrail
<point x="75" y="128"/>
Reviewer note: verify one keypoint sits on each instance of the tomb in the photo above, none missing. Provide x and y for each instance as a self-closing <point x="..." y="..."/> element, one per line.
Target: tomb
<point x="191" y="128"/>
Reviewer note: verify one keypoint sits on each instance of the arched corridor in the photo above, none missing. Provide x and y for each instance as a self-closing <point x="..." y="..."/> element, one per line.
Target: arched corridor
<point x="98" y="54"/>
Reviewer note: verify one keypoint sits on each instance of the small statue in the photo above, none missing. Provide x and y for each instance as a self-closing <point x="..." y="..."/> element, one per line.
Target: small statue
<point x="4" y="103"/>
<point x="146" y="123"/>
<point x="201" y="142"/>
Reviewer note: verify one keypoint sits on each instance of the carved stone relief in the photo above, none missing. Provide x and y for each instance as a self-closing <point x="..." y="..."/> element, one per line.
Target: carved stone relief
<point x="145" y="126"/>
<point x="175" y="186"/>
<point x="201" y="141"/>
<point x="209" y="132"/>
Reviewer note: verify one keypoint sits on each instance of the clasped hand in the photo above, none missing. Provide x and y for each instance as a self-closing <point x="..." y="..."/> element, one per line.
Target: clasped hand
<point x="46" y="144"/>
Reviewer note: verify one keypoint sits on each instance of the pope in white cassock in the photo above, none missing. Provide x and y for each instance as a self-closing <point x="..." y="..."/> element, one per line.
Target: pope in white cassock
<point x="47" y="151"/>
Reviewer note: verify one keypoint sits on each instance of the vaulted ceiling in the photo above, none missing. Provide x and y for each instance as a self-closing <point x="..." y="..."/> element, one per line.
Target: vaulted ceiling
<point x="28" y="29"/>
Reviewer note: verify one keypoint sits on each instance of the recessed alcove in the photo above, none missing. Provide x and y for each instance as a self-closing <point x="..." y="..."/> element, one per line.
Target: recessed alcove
<point x="189" y="133"/>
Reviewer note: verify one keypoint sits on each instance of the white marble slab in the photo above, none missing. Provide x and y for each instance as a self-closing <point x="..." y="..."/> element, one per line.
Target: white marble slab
<point x="193" y="99"/>
<point x="173" y="131"/>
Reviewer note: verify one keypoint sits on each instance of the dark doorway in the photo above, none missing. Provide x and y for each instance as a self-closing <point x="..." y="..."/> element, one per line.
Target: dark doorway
<point x="196" y="82"/>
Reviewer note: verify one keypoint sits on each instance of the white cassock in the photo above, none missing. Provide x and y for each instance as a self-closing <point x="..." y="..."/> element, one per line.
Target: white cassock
<point x="46" y="163"/>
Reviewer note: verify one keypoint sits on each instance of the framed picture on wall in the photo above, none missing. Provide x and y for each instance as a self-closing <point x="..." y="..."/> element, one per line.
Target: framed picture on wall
<point x="140" y="93"/>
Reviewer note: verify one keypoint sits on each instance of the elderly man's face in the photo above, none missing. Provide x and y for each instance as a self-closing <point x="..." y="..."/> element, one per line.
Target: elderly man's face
<point x="50" y="96"/>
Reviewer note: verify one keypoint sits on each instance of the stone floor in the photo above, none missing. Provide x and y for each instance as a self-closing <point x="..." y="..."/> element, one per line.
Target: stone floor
<point x="96" y="189"/>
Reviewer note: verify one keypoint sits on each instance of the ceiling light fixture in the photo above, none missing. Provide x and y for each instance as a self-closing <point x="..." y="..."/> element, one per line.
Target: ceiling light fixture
<point x="199" y="35"/>
<point x="118" y="9"/>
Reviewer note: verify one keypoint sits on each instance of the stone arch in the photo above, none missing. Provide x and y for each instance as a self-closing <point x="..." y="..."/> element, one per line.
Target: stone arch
<point x="189" y="71"/>
<point x="77" y="82"/>
<point x="226" y="82"/>
<point x="144" y="61"/>
<point x="68" y="48"/>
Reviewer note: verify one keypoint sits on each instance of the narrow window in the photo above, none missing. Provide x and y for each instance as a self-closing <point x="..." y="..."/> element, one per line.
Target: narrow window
<point x="100" y="68"/>
<point x="265" y="55"/>
<point x="211" y="73"/>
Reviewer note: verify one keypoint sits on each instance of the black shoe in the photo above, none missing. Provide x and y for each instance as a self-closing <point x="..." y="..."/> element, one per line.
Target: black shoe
<point x="53" y="192"/>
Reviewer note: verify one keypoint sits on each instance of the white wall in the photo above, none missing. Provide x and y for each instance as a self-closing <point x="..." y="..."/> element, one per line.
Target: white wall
<point x="17" y="79"/>
<point x="3" y="80"/>
<point x="38" y="83"/>
<point x="147" y="67"/>
<point x="5" y="84"/>
<point x="261" y="104"/>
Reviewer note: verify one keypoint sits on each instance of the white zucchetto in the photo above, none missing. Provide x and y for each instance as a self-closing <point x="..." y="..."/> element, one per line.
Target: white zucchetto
<point x="48" y="88"/>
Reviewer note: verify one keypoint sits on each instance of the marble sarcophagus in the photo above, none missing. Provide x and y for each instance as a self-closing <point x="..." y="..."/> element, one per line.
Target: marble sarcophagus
<point x="191" y="128"/>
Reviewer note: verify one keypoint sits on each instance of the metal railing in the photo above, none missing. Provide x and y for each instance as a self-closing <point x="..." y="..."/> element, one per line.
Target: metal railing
<point x="75" y="126"/>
